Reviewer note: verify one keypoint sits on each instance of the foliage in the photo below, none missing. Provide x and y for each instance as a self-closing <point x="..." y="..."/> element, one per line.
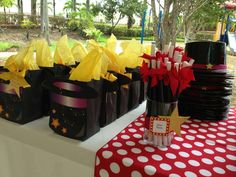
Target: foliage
<point x="6" y="3"/>
<point x="93" y="33"/>
<point x="26" y="23"/>
<point x="5" y="46"/>
<point x="71" y="6"/>
<point x="95" y="9"/>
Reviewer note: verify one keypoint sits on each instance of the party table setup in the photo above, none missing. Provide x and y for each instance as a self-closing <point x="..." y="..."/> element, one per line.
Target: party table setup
<point x="139" y="112"/>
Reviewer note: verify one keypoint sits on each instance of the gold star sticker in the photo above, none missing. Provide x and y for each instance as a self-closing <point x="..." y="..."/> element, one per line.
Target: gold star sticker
<point x="16" y="81"/>
<point x="55" y="123"/>
<point x="209" y="66"/>
<point x="1" y="109"/>
<point x="175" y="121"/>
<point x="54" y="111"/>
<point x="64" y="130"/>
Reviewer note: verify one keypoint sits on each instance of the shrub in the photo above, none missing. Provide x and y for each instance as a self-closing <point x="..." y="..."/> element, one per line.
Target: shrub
<point x="93" y="33"/>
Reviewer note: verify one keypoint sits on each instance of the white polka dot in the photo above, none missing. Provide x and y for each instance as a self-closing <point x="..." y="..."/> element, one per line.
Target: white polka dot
<point x="127" y="162"/>
<point x="157" y="157"/>
<point x="165" y="166"/>
<point x="125" y="137"/>
<point x="207" y="161"/>
<point x="184" y="154"/>
<point x="180" y="165"/>
<point x="163" y="148"/>
<point x="231" y="127"/>
<point x="208" y="151"/>
<point x="199" y="144"/>
<point x="221" y="141"/>
<point x="141" y="129"/>
<point x="197" y="153"/>
<point x="174" y="146"/>
<point x="184" y="126"/>
<point x="211" y="136"/>
<point x="232" y="122"/>
<point x="179" y="138"/>
<point x="194" y="125"/>
<point x="221" y="134"/>
<point x="219" y="170"/>
<point x="222" y="128"/>
<point x="187" y="145"/>
<point x="196" y="120"/>
<point x="189" y="121"/>
<point x="130" y="143"/>
<point x="194" y="163"/>
<point x="106" y="146"/>
<point x="231" y="140"/>
<point x="212" y="129"/>
<point x="142" y="119"/>
<point x="204" y="125"/>
<point x="231" y="148"/>
<point x="115" y="168"/>
<point x="210" y="142"/>
<point x="170" y="155"/>
<point x="115" y="138"/>
<point x="130" y="125"/>
<point x="205" y="172"/>
<point x="213" y="124"/>
<point x="136" y="150"/>
<point x="150" y="170"/>
<point x="142" y="142"/>
<point x="222" y="123"/>
<point x="231" y="157"/>
<point x="201" y="136"/>
<point x="202" y="130"/>
<point x="107" y="154"/>
<point x="189" y="137"/>
<point x="192" y="131"/>
<point x="183" y="132"/>
<point x="189" y="174"/>
<point x="149" y="149"/>
<point x="137" y="135"/>
<point x="122" y="152"/>
<point x="116" y="144"/>
<point x="219" y="159"/>
<point x="174" y="175"/>
<point x="138" y="124"/>
<point x="132" y="130"/>
<point x="231" y="168"/>
<point x="142" y="159"/>
<point x="136" y="174"/>
<point x="103" y="173"/>
<point x="220" y="150"/>
<point x="123" y="131"/>
<point x="97" y="161"/>
<point x="231" y="133"/>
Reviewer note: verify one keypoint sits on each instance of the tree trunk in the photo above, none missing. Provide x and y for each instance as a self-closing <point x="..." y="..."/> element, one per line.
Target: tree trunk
<point x="33" y="10"/>
<point x="42" y="16"/>
<point x="46" y="21"/>
<point x="20" y="10"/>
<point x="5" y="15"/>
<point x="74" y="5"/>
<point x="87" y="5"/>
<point x="130" y="22"/>
<point x="155" y="21"/>
<point x="54" y="8"/>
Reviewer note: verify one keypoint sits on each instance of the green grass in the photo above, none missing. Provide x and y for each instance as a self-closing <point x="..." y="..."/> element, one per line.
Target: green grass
<point x="53" y="45"/>
<point x="5" y="46"/>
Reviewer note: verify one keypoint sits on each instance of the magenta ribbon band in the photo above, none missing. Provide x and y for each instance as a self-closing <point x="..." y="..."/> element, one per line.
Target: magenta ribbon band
<point x="214" y="67"/>
<point x="67" y="86"/>
<point x="4" y="88"/>
<point x="69" y="101"/>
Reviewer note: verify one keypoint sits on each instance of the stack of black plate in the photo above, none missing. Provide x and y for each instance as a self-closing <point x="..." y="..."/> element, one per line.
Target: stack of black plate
<point x="208" y="98"/>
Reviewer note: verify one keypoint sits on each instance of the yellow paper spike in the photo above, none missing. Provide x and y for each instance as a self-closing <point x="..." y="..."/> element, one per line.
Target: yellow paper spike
<point x="43" y="54"/>
<point x="10" y="64"/>
<point x="63" y="53"/>
<point x="109" y="76"/>
<point x="111" y="43"/>
<point x="29" y="62"/>
<point x="89" y="68"/>
<point x="79" y="51"/>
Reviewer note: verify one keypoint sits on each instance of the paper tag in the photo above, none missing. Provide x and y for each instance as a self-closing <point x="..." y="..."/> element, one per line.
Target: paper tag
<point x="159" y="126"/>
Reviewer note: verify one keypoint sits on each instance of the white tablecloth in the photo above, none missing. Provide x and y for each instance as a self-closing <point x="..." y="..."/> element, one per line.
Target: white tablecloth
<point x="33" y="150"/>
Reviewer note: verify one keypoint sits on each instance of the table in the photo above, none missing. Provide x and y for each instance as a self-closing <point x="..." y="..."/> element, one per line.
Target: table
<point x="205" y="149"/>
<point x="34" y="150"/>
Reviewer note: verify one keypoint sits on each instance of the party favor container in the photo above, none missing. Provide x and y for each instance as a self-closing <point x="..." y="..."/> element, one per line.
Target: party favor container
<point x="75" y="107"/>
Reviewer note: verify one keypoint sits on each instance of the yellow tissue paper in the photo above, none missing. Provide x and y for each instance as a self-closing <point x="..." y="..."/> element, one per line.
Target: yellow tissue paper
<point x="43" y="54"/>
<point x="63" y="53"/>
<point x="89" y="68"/>
<point x="79" y="51"/>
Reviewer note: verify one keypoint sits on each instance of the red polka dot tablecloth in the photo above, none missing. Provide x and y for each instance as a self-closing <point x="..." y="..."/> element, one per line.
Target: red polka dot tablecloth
<point x="205" y="149"/>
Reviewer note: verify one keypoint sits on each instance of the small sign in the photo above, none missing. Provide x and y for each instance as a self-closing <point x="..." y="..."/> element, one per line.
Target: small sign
<point x="159" y="126"/>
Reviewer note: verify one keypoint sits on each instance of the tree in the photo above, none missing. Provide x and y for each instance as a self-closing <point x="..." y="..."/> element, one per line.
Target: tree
<point x="172" y="10"/>
<point x="33" y="10"/>
<point x="44" y="20"/>
<point x="54" y="8"/>
<point x="6" y="4"/>
<point x="20" y="10"/>
<point x="87" y="5"/>
<point x="110" y="9"/>
<point x="71" y="6"/>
